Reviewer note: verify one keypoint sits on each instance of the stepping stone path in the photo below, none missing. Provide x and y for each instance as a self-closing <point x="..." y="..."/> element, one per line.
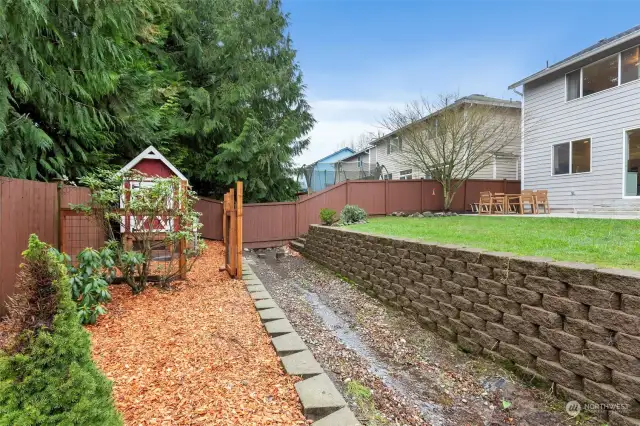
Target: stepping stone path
<point x="321" y="400"/>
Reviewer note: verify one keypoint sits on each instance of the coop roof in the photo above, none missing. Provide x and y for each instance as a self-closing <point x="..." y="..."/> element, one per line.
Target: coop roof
<point x="151" y="153"/>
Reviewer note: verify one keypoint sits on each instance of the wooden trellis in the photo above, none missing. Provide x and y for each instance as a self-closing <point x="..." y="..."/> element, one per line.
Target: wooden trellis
<point x="232" y="231"/>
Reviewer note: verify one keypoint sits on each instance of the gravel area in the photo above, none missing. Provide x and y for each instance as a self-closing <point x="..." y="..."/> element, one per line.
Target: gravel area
<point x="390" y="369"/>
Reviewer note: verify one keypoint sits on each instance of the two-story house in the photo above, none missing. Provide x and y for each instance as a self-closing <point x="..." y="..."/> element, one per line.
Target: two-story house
<point x="581" y="127"/>
<point x="321" y="174"/>
<point x="385" y="152"/>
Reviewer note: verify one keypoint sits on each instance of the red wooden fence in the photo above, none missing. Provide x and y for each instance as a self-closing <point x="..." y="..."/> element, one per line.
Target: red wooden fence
<point x="273" y="224"/>
<point x="28" y="207"/>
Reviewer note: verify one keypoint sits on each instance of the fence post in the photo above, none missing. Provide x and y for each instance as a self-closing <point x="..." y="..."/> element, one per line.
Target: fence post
<point x="386" y="197"/>
<point x="347" y="185"/>
<point x="421" y="195"/>
<point x="239" y="229"/>
<point x="464" y="196"/>
<point x="58" y="216"/>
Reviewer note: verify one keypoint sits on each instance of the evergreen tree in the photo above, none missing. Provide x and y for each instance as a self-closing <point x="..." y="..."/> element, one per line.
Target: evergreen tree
<point x="76" y="85"/>
<point x="243" y="100"/>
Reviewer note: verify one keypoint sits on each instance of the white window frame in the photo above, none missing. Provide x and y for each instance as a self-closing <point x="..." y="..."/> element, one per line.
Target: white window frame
<point x="406" y="174"/>
<point x="570" y="142"/>
<point x="398" y="145"/>
<point x="359" y="163"/>
<point x="619" y="54"/>
<point x="388" y="176"/>
<point x="625" y="149"/>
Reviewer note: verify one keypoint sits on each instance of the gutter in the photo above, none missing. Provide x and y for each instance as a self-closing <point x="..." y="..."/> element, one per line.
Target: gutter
<point x="564" y="64"/>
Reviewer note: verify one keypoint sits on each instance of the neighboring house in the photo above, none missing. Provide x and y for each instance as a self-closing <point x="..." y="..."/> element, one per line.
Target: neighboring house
<point x="581" y="127"/>
<point x="322" y="173"/>
<point x="386" y="151"/>
<point x="356" y="166"/>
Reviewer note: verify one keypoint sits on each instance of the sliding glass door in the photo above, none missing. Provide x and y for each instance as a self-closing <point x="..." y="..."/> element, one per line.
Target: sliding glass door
<point x="632" y="163"/>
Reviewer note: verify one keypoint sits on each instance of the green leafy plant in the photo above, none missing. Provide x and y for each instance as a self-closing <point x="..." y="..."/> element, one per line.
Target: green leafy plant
<point x="90" y="282"/>
<point x="506" y="404"/>
<point x="47" y="376"/>
<point x="327" y="216"/>
<point x="352" y="214"/>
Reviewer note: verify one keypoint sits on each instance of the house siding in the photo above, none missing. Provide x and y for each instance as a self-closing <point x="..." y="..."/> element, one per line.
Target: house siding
<point x="603" y="117"/>
<point x="506" y="166"/>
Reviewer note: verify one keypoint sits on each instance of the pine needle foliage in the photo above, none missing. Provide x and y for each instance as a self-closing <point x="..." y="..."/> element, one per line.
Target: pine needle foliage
<point x="47" y="376"/>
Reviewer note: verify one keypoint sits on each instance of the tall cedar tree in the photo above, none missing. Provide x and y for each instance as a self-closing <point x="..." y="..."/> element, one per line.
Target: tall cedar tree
<point x="80" y="84"/>
<point x="214" y="84"/>
<point x="243" y="100"/>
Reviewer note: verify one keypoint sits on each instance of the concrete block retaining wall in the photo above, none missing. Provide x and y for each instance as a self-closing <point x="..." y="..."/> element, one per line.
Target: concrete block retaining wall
<point x="573" y="324"/>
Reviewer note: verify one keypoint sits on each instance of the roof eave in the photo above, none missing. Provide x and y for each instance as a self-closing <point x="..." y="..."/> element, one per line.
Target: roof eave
<point x="572" y="61"/>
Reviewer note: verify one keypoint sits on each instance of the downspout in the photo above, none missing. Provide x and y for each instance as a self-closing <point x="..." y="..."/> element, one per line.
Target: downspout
<point x="521" y="138"/>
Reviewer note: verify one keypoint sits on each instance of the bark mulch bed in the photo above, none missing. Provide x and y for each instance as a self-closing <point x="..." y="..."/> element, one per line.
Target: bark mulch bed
<point x="197" y="354"/>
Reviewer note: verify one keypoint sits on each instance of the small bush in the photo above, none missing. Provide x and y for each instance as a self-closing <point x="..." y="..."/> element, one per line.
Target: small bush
<point x="352" y="214"/>
<point x="47" y="376"/>
<point x="90" y="281"/>
<point x="327" y="216"/>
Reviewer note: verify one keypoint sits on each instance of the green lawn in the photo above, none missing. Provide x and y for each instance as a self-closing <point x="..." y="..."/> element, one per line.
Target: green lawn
<point x="604" y="242"/>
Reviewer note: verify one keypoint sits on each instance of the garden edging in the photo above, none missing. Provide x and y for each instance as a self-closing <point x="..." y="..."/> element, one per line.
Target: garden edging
<point x="572" y="324"/>
<point x="321" y="400"/>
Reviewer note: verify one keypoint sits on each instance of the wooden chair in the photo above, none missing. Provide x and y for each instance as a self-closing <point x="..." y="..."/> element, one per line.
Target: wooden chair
<point x="542" y="199"/>
<point x="528" y="198"/>
<point x="498" y="201"/>
<point x="484" y="205"/>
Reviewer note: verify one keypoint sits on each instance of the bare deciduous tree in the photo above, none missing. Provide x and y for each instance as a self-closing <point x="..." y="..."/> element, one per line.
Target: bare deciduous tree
<point x="452" y="139"/>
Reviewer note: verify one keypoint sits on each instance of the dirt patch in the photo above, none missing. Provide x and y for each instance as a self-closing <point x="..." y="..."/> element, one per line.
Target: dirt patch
<point x="194" y="355"/>
<point x="390" y="369"/>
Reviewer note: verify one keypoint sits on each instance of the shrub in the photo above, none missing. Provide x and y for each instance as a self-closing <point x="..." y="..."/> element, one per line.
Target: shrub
<point x="327" y="216"/>
<point x="352" y="214"/>
<point x="90" y="281"/>
<point x="151" y="203"/>
<point x="47" y="376"/>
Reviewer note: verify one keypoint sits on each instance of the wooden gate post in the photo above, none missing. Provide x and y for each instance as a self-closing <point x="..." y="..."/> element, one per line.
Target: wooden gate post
<point x="239" y="229"/>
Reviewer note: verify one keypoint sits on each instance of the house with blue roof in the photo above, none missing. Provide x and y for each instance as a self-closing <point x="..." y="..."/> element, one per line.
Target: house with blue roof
<point x="322" y="173"/>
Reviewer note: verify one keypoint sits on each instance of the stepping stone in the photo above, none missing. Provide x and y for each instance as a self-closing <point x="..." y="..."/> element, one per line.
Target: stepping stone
<point x="261" y="295"/>
<point x="255" y="288"/>
<point x="342" y="417"/>
<point x="278" y="327"/>
<point x="301" y="364"/>
<point x="265" y="304"/>
<point x="319" y="396"/>
<point x="288" y="344"/>
<point x="271" y="314"/>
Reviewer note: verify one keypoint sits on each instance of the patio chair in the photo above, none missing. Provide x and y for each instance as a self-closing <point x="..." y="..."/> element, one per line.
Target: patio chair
<point x="542" y="199"/>
<point x="484" y="205"/>
<point x="528" y="198"/>
<point x="498" y="202"/>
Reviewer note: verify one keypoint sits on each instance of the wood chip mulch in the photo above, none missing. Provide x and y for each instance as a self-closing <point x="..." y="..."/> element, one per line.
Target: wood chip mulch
<point x="195" y="355"/>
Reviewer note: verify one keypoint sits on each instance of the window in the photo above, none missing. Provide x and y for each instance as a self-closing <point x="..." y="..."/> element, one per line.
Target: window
<point x="405" y="174"/>
<point x="573" y="85"/>
<point x="572" y="157"/>
<point x="561" y="156"/>
<point x="600" y="76"/>
<point x="632" y="163"/>
<point x="394" y="145"/>
<point x="387" y="177"/>
<point x="359" y="162"/>
<point x="629" y="65"/>
<point x="604" y="74"/>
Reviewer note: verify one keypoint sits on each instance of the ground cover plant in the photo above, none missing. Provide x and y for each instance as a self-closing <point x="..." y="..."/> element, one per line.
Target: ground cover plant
<point x="47" y="376"/>
<point x="603" y="242"/>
